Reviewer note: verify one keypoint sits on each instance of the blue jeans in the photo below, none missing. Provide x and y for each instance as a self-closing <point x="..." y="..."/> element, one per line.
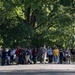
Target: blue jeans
<point x="56" y="59"/>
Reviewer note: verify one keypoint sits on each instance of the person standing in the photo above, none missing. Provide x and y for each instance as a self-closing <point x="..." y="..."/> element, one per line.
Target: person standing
<point x="61" y="55"/>
<point x="56" y="55"/>
<point x="21" y="56"/>
<point x="73" y="55"/>
<point x="9" y="55"/>
<point x="40" y="54"/>
<point x="17" y="55"/>
<point x="28" y="56"/>
<point x="67" y="56"/>
<point x="34" y="55"/>
<point x="3" y="57"/>
<point x="44" y="54"/>
<point x="0" y="55"/>
<point x="49" y="55"/>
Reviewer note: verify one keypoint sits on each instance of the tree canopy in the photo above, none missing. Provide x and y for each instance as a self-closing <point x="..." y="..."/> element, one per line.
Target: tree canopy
<point x="37" y="22"/>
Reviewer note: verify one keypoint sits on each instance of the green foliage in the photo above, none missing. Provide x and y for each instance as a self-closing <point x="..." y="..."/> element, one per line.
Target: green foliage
<point x="36" y="22"/>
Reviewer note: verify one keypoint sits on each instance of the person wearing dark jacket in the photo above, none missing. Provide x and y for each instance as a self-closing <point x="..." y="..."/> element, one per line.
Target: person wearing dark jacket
<point x="34" y="55"/>
<point x="3" y="58"/>
<point x="73" y="55"/>
<point x="61" y="55"/>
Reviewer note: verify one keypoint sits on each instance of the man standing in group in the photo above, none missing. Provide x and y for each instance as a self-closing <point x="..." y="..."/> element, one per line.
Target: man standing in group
<point x="56" y="55"/>
<point x="3" y="57"/>
<point x="44" y="54"/>
<point x="49" y="54"/>
<point x="17" y="54"/>
<point x="73" y="55"/>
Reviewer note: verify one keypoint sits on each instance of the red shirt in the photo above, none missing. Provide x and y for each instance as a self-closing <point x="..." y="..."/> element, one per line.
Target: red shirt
<point x="17" y="52"/>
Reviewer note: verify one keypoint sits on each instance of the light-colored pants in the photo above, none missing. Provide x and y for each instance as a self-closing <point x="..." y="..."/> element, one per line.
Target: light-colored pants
<point x="44" y="58"/>
<point x="56" y="59"/>
<point x="27" y="58"/>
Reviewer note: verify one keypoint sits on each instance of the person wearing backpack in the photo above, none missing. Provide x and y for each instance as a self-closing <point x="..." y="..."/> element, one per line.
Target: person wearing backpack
<point x="28" y="56"/>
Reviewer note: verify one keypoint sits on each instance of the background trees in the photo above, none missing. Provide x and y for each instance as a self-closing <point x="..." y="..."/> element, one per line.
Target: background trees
<point x="37" y="22"/>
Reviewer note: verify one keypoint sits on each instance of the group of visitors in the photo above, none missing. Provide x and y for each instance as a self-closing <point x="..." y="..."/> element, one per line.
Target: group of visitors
<point x="34" y="55"/>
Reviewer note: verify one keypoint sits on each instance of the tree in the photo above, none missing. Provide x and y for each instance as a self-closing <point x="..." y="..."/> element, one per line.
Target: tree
<point x="35" y="23"/>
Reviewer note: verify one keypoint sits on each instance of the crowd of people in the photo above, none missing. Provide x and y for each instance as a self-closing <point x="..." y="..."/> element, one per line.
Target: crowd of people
<point x="34" y="55"/>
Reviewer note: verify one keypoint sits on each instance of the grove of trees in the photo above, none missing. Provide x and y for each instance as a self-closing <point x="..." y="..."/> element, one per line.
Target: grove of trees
<point x="37" y="22"/>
